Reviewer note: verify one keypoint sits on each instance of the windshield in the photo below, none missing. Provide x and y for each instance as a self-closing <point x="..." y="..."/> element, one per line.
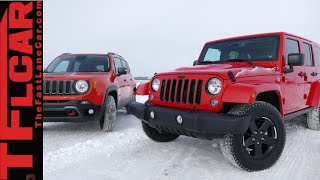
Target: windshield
<point x="248" y="49"/>
<point x="79" y="63"/>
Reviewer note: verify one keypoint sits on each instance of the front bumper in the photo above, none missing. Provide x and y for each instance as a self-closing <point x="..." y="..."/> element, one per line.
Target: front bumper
<point x="199" y="124"/>
<point x="61" y="111"/>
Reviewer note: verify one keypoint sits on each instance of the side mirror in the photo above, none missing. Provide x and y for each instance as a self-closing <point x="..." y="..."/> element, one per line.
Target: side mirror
<point x="195" y="62"/>
<point x="294" y="59"/>
<point x="122" y="70"/>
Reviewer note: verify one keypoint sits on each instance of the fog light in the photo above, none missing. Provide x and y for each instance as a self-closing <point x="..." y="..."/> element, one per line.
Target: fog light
<point x="90" y="111"/>
<point x="151" y="97"/>
<point x="152" y="114"/>
<point x="214" y="102"/>
<point x="179" y="119"/>
<point x="85" y="102"/>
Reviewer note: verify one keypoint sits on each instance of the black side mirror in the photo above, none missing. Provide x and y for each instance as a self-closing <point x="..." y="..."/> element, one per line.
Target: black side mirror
<point x="295" y="59"/>
<point x="195" y="62"/>
<point x="122" y="70"/>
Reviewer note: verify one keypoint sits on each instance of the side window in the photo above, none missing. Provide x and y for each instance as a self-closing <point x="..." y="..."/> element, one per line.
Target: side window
<point x="62" y="67"/>
<point x="117" y="64"/>
<point x="292" y="46"/>
<point x="318" y="56"/>
<point x="125" y="64"/>
<point x="308" y="60"/>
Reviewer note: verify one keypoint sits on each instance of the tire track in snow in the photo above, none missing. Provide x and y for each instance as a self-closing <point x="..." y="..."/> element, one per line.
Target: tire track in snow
<point x="64" y="157"/>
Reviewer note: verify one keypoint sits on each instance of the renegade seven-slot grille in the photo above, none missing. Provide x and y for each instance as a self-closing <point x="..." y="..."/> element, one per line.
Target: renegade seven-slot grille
<point x="58" y="87"/>
<point x="185" y="91"/>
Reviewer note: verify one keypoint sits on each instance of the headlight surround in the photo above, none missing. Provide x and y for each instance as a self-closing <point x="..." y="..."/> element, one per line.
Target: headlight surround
<point x="214" y="86"/>
<point x="81" y="86"/>
<point x="155" y="84"/>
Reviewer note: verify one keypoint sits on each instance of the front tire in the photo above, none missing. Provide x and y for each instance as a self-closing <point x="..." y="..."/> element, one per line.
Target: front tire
<point x="313" y="119"/>
<point x="158" y="136"/>
<point x="262" y="144"/>
<point x="109" y="117"/>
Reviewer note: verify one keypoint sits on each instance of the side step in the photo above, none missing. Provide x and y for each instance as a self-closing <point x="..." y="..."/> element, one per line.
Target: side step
<point x="298" y="113"/>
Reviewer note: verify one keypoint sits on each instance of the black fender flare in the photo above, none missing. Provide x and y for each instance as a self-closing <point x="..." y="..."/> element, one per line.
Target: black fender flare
<point x="110" y="89"/>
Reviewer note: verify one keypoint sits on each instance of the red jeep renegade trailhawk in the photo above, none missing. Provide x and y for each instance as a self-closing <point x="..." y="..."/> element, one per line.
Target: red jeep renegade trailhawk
<point x="87" y="87"/>
<point x="241" y="89"/>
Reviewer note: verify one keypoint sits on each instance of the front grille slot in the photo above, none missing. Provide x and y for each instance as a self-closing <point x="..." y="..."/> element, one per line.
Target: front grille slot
<point x="178" y="96"/>
<point x="168" y="90"/>
<point x="58" y="87"/>
<point x="185" y="91"/>
<point x="162" y="89"/>
<point x="173" y="90"/>
<point x="198" y="92"/>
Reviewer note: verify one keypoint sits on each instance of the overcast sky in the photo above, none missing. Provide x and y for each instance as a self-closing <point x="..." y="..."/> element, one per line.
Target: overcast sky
<point x="161" y="35"/>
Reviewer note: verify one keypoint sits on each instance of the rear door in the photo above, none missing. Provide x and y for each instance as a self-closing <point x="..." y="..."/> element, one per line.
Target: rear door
<point x="128" y="91"/>
<point x="293" y="89"/>
<point x="310" y="67"/>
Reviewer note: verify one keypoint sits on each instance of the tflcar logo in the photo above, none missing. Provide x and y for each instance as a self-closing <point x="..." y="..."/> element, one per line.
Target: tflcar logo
<point x="18" y="92"/>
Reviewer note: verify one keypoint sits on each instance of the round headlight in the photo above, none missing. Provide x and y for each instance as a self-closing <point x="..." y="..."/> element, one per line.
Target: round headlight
<point x="155" y="85"/>
<point x="82" y="86"/>
<point x="214" y="86"/>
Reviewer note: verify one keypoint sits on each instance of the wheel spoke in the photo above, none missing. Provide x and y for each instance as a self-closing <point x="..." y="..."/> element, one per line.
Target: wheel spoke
<point x="269" y="140"/>
<point x="253" y="126"/>
<point x="265" y="126"/>
<point x="248" y="142"/>
<point x="258" y="150"/>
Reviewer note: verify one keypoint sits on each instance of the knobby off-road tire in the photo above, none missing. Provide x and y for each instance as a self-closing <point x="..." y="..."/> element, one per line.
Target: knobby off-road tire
<point x="262" y="144"/>
<point x="313" y="119"/>
<point x="158" y="136"/>
<point x="134" y="99"/>
<point x="109" y="117"/>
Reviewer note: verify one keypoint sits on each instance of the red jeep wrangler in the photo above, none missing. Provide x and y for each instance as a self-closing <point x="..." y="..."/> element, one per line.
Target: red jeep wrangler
<point x="87" y="87"/>
<point x="240" y="89"/>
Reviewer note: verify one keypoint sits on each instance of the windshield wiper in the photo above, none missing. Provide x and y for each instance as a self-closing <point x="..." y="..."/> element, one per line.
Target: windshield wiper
<point x="240" y="60"/>
<point x="209" y="62"/>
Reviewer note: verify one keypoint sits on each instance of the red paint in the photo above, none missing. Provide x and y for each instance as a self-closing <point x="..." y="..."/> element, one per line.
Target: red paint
<point x="103" y="80"/>
<point x="290" y="88"/>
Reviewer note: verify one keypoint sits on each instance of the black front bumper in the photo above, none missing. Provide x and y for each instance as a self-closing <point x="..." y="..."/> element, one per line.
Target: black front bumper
<point x="199" y="124"/>
<point x="57" y="111"/>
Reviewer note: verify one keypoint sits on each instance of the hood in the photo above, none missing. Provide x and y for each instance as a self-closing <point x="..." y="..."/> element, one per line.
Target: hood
<point x="239" y="70"/>
<point x="72" y="75"/>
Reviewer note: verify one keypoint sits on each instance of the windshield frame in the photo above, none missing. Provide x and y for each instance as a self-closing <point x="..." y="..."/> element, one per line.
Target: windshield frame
<point x="57" y="59"/>
<point x="207" y="46"/>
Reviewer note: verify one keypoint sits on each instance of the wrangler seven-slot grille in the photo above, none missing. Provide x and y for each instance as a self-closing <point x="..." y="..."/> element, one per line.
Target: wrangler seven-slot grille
<point x="185" y="91"/>
<point x="58" y="87"/>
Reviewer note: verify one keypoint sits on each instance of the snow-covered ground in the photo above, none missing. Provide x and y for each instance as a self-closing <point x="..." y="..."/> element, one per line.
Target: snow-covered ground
<point x="82" y="151"/>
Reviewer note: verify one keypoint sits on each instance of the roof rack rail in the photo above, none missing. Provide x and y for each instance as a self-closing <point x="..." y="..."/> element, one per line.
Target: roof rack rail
<point x="65" y="53"/>
<point x="115" y="54"/>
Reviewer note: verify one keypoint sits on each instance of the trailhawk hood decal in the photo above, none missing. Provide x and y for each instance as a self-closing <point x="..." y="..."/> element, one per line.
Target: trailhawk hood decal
<point x="222" y="70"/>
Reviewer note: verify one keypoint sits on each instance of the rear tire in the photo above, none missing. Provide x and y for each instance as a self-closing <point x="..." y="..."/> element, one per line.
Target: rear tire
<point x="109" y="117"/>
<point x="313" y="119"/>
<point x="262" y="144"/>
<point x="157" y="136"/>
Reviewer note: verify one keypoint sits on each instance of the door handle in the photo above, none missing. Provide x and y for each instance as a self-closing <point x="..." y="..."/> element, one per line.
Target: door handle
<point x="302" y="74"/>
<point x="314" y="74"/>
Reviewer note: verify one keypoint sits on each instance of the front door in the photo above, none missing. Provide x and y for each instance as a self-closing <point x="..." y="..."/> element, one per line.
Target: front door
<point x="293" y="89"/>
